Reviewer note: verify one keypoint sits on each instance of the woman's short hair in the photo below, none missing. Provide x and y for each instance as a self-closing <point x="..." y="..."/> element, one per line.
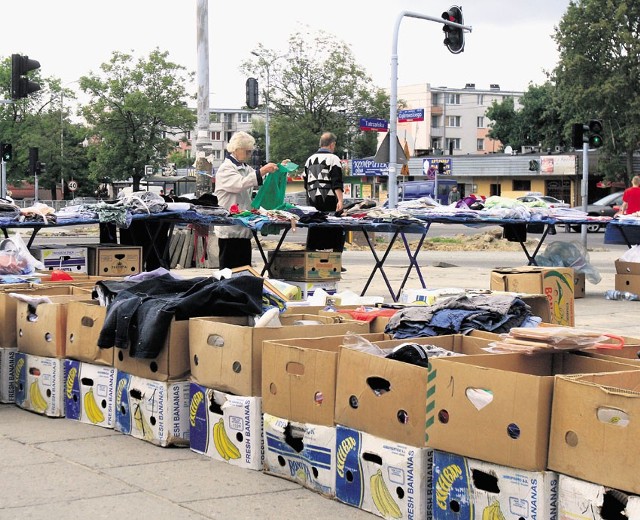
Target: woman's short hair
<point x="240" y="140"/>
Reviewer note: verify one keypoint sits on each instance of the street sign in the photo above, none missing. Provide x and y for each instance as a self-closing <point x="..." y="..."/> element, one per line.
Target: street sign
<point x="73" y="185"/>
<point x="430" y="167"/>
<point x="365" y="167"/>
<point x="373" y="125"/>
<point x="413" y="114"/>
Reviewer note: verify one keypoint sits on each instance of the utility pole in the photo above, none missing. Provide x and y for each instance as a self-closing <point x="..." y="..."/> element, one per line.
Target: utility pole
<point x="202" y="140"/>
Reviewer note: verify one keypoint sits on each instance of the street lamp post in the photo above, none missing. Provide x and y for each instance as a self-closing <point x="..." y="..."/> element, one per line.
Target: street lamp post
<point x="267" y="137"/>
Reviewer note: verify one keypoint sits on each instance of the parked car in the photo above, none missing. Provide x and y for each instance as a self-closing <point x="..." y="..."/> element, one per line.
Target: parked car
<point x="539" y="200"/>
<point x="607" y="206"/>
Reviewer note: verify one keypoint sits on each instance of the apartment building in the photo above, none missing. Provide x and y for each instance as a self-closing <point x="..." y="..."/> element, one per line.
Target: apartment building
<point x="454" y="119"/>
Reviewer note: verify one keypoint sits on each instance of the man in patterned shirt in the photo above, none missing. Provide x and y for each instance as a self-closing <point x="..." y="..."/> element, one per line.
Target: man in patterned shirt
<point x="324" y="187"/>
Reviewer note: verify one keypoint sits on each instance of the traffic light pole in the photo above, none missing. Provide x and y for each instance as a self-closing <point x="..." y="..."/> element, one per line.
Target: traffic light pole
<point x="393" y="116"/>
<point x="3" y="179"/>
<point x="585" y="190"/>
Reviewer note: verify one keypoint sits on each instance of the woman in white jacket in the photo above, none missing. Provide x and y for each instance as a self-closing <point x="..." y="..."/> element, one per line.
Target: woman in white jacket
<point x="234" y="182"/>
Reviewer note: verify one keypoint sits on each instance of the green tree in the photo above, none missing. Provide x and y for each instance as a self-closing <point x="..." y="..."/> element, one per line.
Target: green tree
<point x="316" y="87"/>
<point x="505" y="126"/>
<point x="31" y="122"/>
<point x="135" y="107"/>
<point x="597" y="76"/>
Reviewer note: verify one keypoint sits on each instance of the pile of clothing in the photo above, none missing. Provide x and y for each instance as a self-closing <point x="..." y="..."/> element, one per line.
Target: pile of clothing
<point x="461" y="314"/>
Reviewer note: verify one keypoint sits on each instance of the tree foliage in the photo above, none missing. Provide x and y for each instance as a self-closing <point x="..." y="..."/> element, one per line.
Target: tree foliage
<point x="316" y="86"/>
<point x="134" y="105"/>
<point x="598" y="76"/>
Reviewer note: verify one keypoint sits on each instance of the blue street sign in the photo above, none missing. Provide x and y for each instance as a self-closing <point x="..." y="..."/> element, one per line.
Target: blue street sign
<point x="373" y="125"/>
<point x="412" y="114"/>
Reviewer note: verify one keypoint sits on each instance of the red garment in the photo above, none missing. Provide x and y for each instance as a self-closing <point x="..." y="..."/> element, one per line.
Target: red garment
<point x="632" y="197"/>
<point x="363" y="314"/>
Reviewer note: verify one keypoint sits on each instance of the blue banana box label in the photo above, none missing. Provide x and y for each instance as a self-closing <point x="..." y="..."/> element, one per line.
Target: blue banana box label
<point x="20" y="379"/>
<point x="198" y="419"/>
<point x="123" y="406"/>
<point x="72" y="397"/>
<point x="349" y="478"/>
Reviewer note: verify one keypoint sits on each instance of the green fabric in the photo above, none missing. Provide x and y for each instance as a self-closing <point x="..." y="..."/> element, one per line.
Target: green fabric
<point x="271" y="193"/>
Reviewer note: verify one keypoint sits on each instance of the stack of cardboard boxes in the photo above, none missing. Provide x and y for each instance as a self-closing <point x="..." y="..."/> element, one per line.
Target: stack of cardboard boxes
<point x="308" y="270"/>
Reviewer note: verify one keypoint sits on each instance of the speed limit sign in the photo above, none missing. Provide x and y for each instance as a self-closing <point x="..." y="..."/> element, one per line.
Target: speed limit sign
<point x="73" y="185"/>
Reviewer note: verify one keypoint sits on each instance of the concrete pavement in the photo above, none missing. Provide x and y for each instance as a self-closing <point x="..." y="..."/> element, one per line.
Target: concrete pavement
<point x="53" y="468"/>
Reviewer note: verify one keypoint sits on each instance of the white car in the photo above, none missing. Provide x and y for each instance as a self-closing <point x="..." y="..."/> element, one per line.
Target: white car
<point x="543" y="201"/>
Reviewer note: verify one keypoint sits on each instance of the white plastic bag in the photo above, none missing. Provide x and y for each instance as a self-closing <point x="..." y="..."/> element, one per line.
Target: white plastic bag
<point x="15" y="257"/>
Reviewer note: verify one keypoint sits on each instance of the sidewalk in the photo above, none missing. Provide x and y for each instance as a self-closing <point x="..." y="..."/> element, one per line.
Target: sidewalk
<point x="54" y="468"/>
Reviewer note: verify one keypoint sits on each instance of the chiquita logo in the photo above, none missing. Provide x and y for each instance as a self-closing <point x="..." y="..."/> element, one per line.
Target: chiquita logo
<point x="343" y="450"/>
<point x="445" y="482"/>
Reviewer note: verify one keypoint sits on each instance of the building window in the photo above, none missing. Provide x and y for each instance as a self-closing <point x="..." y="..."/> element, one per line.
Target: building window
<point x="435" y="98"/>
<point x="216" y="154"/>
<point x="435" y="121"/>
<point x="453" y="143"/>
<point x="480" y="122"/>
<point x="216" y="136"/>
<point x="436" y="144"/>
<point x="228" y="118"/>
<point x="453" y="121"/>
<point x="495" y="190"/>
<point x="453" y="99"/>
<point x="480" y="145"/>
<point x="244" y="118"/>
<point x="214" y="117"/>
<point x="521" y="185"/>
<point x="480" y="99"/>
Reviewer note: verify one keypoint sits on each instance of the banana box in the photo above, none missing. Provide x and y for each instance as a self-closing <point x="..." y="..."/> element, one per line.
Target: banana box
<point x="301" y="452"/>
<point x="226" y="427"/>
<point x="7" y="372"/>
<point x="386" y="478"/>
<point x="582" y="500"/>
<point x="89" y="393"/>
<point x="154" y="411"/>
<point x="478" y="490"/>
<point x="39" y="384"/>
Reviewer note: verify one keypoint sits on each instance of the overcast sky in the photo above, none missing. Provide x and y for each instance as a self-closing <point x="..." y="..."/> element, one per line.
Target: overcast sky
<point x="510" y="45"/>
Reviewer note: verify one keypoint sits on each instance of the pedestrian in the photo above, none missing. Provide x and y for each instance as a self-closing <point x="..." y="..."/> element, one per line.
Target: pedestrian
<point x="235" y="180"/>
<point x="454" y="195"/>
<point x="631" y="198"/>
<point x="324" y="186"/>
<point x="161" y="192"/>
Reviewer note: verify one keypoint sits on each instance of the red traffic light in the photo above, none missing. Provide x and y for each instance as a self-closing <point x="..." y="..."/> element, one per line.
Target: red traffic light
<point x="454" y="36"/>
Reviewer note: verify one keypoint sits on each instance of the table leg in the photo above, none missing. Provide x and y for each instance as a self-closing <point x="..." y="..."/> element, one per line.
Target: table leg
<point x="379" y="263"/>
<point x="268" y="263"/>
<point x="412" y="261"/>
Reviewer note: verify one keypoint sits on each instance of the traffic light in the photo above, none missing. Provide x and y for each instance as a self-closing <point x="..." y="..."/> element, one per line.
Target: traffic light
<point x="6" y="151"/>
<point x="33" y="160"/>
<point x="252" y="92"/>
<point x="20" y="85"/>
<point x="41" y="168"/>
<point x="595" y="133"/>
<point x="590" y="133"/>
<point x="454" y="36"/>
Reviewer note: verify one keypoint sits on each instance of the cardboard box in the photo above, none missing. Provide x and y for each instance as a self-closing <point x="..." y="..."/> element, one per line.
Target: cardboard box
<point x="579" y="285"/>
<point x="226" y="427"/>
<point x="84" y="323"/>
<point x="42" y="330"/>
<point x="67" y="258"/>
<point x="306" y="265"/>
<point x="226" y="352"/>
<point x="628" y="282"/>
<point x="89" y="393"/>
<point x="9" y="305"/>
<point x="580" y="500"/>
<point x="39" y="384"/>
<point x="7" y="373"/>
<point x="556" y="283"/>
<point x="299" y="377"/>
<point x="469" y="488"/>
<point x="114" y="260"/>
<point x="387" y="398"/>
<point x="594" y="429"/>
<point x="376" y="324"/>
<point x="153" y="411"/>
<point x="307" y="289"/>
<point x="499" y="409"/>
<point x="171" y="364"/>
<point x="366" y="464"/>
<point x="623" y="267"/>
<point x="303" y="453"/>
